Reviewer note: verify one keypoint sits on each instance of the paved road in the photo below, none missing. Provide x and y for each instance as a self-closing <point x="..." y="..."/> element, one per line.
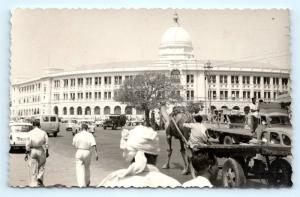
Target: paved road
<point x="60" y="167"/>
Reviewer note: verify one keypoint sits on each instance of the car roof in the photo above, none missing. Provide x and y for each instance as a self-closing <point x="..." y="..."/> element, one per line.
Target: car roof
<point x="20" y="124"/>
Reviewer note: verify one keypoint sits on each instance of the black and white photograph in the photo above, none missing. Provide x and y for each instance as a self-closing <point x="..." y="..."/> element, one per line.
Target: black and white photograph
<point x="159" y="98"/>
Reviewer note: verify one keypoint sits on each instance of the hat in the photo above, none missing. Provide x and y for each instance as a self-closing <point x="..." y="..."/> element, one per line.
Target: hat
<point x="140" y="138"/>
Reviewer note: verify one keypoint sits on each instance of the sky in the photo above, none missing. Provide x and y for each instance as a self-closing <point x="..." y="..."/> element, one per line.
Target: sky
<point x="72" y="38"/>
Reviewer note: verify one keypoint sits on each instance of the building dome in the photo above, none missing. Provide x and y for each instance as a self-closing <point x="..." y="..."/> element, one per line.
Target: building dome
<point x="176" y="43"/>
<point x="176" y="36"/>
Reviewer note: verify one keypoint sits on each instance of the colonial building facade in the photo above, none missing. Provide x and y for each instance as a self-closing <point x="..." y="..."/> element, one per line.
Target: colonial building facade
<point x="89" y="94"/>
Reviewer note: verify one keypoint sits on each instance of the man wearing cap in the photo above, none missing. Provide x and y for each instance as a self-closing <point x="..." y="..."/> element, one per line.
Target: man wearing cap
<point x="83" y="142"/>
<point x="37" y="151"/>
<point x="140" y="147"/>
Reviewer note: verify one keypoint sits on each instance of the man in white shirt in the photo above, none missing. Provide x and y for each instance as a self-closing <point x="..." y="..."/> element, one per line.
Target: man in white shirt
<point x="199" y="135"/>
<point x="140" y="147"/>
<point x="206" y="169"/>
<point x="253" y="118"/>
<point x="37" y="150"/>
<point x="83" y="142"/>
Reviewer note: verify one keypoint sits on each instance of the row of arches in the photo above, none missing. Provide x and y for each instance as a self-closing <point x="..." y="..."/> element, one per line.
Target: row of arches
<point x="246" y="108"/>
<point x="94" y="111"/>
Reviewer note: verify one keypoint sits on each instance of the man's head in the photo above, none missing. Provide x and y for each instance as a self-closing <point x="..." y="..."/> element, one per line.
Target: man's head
<point x="84" y="127"/>
<point x="198" y="118"/>
<point x="141" y="138"/>
<point x="36" y="123"/>
<point x="205" y="164"/>
<point x="253" y="100"/>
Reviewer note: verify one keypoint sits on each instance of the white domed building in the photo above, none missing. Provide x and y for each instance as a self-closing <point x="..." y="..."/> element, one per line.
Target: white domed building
<point x="88" y="94"/>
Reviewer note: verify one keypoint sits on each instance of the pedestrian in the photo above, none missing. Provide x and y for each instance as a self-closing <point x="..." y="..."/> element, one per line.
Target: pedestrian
<point x="140" y="147"/>
<point x="206" y="170"/>
<point x="84" y="141"/>
<point x="199" y="134"/>
<point x="253" y="116"/>
<point x="37" y="151"/>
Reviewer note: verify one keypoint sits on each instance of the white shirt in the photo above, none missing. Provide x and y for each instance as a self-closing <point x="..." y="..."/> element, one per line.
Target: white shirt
<point x="37" y="138"/>
<point x="254" y="107"/>
<point x="198" y="135"/>
<point x="199" y="181"/>
<point x="150" y="177"/>
<point x="84" y="140"/>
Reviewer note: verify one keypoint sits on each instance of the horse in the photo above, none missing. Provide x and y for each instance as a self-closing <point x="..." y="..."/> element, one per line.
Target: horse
<point x="178" y="118"/>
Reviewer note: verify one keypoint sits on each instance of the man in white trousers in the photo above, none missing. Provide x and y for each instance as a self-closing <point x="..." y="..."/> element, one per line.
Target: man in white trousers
<point x="84" y="141"/>
<point x="37" y="151"/>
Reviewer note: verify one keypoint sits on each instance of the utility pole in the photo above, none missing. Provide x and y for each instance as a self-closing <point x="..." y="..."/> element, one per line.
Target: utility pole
<point x="207" y="73"/>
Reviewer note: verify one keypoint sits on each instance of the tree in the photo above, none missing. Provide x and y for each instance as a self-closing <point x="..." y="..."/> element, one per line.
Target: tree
<point x="147" y="91"/>
<point x="194" y="107"/>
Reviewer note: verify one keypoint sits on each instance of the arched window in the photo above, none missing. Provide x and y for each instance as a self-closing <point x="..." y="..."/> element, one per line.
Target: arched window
<point x="71" y="110"/>
<point x="128" y="110"/>
<point x="79" y="111"/>
<point x="65" y="111"/>
<point x="175" y="76"/>
<point x="97" y="110"/>
<point x="55" y="109"/>
<point x="117" y="110"/>
<point x="87" y="111"/>
<point x="224" y="107"/>
<point x="106" y="110"/>
<point x="236" y="108"/>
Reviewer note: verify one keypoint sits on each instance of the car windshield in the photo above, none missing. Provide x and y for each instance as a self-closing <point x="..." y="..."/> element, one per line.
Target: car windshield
<point x="237" y="119"/>
<point x="20" y="128"/>
<point x="282" y="120"/>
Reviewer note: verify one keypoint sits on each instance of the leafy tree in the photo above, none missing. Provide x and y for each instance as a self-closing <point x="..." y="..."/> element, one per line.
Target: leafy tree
<point x="194" y="107"/>
<point x="147" y="91"/>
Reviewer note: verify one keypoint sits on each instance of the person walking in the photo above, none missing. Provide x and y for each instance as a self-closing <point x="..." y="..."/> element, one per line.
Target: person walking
<point x="37" y="151"/>
<point x="140" y="147"/>
<point x="84" y="141"/>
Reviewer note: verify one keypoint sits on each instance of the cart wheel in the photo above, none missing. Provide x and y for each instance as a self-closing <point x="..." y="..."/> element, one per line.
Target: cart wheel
<point x="228" y="140"/>
<point x="280" y="173"/>
<point x="233" y="174"/>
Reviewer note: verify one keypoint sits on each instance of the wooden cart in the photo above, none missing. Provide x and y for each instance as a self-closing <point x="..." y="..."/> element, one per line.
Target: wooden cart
<point x="268" y="162"/>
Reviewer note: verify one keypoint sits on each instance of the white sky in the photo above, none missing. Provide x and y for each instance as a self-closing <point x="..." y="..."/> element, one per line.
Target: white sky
<point x="43" y="38"/>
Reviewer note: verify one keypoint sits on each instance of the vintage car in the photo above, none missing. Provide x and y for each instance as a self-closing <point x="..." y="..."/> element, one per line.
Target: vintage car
<point x="72" y="126"/>
<point x="19" y="134"/>
<point x="115" y="121"/>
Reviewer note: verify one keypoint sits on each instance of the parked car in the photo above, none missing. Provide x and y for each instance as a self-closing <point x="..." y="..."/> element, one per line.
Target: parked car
<point x="115" y="121"/>
<point x="19" y="134"/>
<point x="72" y="126"/>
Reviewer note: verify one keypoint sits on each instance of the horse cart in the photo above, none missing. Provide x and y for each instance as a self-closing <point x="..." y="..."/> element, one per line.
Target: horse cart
<point x="253" y="161"/>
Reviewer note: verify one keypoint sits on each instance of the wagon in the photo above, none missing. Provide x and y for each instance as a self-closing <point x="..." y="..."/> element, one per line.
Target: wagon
<point x="253" y="161"/>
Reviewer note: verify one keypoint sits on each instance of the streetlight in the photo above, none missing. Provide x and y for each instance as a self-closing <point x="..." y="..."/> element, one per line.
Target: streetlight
<point x="207" y="73"/>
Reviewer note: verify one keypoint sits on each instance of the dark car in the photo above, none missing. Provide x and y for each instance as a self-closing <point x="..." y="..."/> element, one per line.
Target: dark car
<point x="115" y="121"/>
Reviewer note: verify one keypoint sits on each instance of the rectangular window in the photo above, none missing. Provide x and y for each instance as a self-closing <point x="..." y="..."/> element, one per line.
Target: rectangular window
<point x="56" y="83"/>
<point x="223" y="79"/>
<point x="105" y="95"/>
<point x="285" y="81"/>
<point x="66" y="81"/>
<point x="275" y="81"/>
<point x="256" y="80"/>
<point x="80" y="81"/>
<point x="234" y="79"/>
<point x="266" y="80"/>
<point x="246" y="79"/>
<point x="72" y="82"/>
<point x="189" y="78"/>
<point x="107" y="80"/>
<point x="118" y="80"/>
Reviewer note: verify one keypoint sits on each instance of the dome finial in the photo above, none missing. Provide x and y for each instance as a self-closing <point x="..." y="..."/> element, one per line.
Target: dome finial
<point x="176" y="18"/>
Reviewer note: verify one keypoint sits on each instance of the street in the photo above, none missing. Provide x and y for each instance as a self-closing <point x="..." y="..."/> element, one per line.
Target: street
<point x="60" y="166"/>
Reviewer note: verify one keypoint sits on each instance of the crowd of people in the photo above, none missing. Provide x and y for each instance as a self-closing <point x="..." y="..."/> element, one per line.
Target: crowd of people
<point x="140" y="148"/>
